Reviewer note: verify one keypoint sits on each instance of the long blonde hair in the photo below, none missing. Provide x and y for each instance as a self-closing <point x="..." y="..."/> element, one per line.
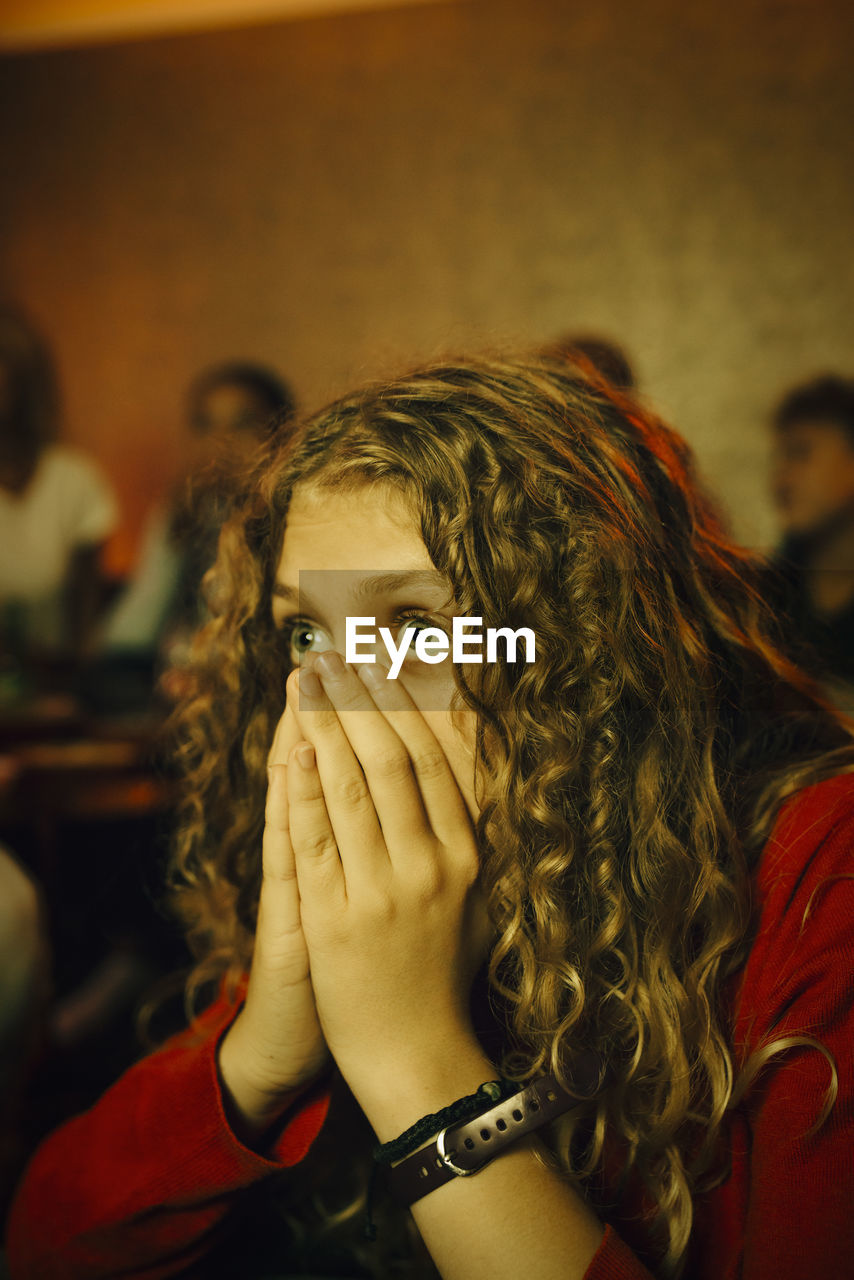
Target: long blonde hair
<point x="628" y="778"/>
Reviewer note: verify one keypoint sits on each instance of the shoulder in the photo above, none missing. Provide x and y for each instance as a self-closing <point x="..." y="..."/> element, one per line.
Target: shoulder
<point x="813" y="835"/>
<point x="75" y="484"/>
<point x="786" y="1209"/>
<point x="66" y="464"/>
<point x="800" y="965"/>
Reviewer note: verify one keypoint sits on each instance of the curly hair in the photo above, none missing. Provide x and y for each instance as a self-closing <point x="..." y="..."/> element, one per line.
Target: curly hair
<point x="627" y="779"/>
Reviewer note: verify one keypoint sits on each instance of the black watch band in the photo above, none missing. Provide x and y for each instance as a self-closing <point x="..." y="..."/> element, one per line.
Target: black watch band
<point x="462" y="1149"/>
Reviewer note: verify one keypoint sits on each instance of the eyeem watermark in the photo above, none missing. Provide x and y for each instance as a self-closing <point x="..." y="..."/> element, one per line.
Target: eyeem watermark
<point x="432" y="644"/>
<point x="415" y="608"/>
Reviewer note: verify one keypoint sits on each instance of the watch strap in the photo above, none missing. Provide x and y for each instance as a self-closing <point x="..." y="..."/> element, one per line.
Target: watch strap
<point x="463" y="1149"/>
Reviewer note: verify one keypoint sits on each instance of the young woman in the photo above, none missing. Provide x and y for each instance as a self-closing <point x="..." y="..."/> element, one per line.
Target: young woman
<point x="624" y="867"/>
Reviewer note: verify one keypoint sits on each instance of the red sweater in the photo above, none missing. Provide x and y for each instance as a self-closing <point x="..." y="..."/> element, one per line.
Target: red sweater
<point x="140" y="1184"/>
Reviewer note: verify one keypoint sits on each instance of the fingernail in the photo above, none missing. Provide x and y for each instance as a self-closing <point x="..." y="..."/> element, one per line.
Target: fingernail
<point x="309" y="684"/>
<point x="375" y="676"/>
<point x="305" y="755"/>
<point x="330" y="665"/>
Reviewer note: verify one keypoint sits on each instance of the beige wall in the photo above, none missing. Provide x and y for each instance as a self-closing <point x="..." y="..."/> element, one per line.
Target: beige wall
<point x="343" y="195"/>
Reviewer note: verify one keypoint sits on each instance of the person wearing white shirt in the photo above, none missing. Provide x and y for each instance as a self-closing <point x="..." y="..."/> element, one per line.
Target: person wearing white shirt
<point x="56" y="507"/>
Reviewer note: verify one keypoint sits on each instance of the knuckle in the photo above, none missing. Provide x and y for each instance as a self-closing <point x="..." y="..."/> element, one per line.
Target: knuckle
<point x="430" y="764"/>
<point x="274" y="871"/>
<point x="318" y="845"/>
<point x="352" y="793"/>
<point x="379" y="904"/>
<point x="392" y="764"/>
<point x="325" y="720"/>
<point x="468" y="867"/>
<point x="275" y="816"/>
<point x="471" y="873"/>
<point x="428" y="883"/>
<point x="431" y="886"/>
<point x="380" y="907"/>
<point x="351" y="695"/>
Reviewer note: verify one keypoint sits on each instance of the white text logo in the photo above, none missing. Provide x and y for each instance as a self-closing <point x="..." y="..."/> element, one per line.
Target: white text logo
<point x="432" y="644"/>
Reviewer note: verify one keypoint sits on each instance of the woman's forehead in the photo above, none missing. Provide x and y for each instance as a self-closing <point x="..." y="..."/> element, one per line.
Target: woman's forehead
<point x="366" y="528"/>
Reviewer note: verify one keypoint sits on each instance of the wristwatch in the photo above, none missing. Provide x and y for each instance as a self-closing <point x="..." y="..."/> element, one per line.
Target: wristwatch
<point x="462" y="1149"/>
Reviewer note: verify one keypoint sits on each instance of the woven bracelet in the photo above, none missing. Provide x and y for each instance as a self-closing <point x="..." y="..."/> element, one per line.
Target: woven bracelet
<point x="486" y="1096"/>
<point x="428" y="1126"/>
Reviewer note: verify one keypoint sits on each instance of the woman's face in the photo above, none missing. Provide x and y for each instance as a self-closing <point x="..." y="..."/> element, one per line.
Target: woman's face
<point x="360" y="554"/>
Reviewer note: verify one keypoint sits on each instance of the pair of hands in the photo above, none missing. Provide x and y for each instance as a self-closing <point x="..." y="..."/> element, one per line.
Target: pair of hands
<point x="370" y="922"/>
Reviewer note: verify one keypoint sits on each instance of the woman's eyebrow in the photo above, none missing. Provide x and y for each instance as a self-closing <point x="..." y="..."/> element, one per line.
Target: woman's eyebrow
<point x="376" y="585"/>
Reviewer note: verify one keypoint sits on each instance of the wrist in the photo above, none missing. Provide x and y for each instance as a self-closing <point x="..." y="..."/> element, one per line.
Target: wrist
<point x="468" y="1143"/>
<point x="398" y="1095"/>
<point x="252" y="1099"/>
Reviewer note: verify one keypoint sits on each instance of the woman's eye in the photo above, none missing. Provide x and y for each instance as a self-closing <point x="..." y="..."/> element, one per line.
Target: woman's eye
<point x="303" y="637"/>
<point x="415" y="622"/>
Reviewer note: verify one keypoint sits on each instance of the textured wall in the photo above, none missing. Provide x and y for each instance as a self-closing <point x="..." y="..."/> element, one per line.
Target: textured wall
<point x="343" y="195"/>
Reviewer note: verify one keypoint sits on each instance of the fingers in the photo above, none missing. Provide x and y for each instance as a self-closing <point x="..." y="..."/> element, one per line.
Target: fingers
<point x="440" y="794"/>
<point x="375" y="720"/>
<point x="319" y="872"/>
<point x="279" y="908"/>
<point x="286" y="737"/>
<point x="362" y="766"/>
<point x="277" y="855"/>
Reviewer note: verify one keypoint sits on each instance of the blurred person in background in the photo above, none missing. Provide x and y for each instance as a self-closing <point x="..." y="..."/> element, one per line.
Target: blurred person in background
<point x="231" y="409"/>
<point x="606" y="356"/>
<point x="813" y="491"/>
<point x="56" y="512"/>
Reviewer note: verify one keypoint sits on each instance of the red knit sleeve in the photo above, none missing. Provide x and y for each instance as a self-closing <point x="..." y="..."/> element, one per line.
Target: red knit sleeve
<point x="614" y="1260"/>
<point x="139" y="1184"/>
<point x="799" y="982"/>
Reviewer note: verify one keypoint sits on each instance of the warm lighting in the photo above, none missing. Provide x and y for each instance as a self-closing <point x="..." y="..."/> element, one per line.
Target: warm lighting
<point x="31" y="24"/>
